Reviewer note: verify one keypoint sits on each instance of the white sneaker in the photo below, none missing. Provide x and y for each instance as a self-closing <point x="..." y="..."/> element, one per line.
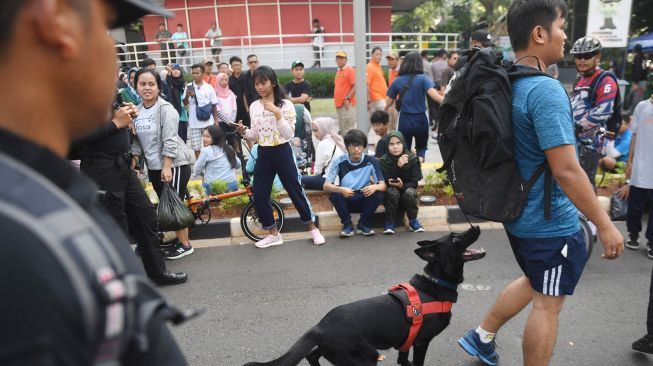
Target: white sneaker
<point x="318" y="238"/>
<point x="269" y="241"/>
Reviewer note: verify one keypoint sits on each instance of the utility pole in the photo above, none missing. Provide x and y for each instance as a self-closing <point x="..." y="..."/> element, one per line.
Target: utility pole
<point x="360" y="48"/>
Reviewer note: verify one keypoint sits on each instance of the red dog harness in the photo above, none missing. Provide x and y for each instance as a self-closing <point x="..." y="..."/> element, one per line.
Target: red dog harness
<point x="416" y="310"/>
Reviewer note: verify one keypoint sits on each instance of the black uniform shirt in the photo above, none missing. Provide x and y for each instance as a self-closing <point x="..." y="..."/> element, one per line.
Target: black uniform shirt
<point x="40" y="316"/>
<point x="297" y="89"/>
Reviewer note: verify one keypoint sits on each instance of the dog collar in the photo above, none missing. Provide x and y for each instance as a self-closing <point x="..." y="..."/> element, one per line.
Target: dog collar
<point x="441" y="282"/>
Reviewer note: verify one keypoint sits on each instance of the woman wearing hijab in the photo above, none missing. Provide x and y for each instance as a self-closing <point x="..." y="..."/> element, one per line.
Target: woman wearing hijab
<point x="330" y="147"/>
<point x="402" y="171"/>
<point x="129" y="94"/>
<point x="175" y="82"/>
<point x="227" y="108"/>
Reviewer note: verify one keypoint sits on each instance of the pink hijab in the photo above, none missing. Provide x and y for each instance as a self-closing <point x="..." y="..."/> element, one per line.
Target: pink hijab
<point x="222" y="92"/>
<point x="329" y="128"/>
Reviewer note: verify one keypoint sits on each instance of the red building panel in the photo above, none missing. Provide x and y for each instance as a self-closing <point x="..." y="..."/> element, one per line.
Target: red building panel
<point x="200" y="20"/>
<point x="329" y="17"/>
<point x="192" y="3"/>
<point x="381" y="23"/>
<point x="151" y="26"/>
<point x="347" y="21"/>
<point x="233" y="24"/>
<point x="295" y="20"/>
<point x="263" y="20"/>
<point x="175" y="4"/>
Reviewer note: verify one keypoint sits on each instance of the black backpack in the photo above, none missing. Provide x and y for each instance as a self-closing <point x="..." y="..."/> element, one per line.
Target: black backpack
<point x="476" y="139"/>
<point x="614" y="122"/>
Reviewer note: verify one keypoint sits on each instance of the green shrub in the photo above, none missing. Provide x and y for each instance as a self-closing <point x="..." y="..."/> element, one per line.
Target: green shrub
<point x="238" y="201"/>
<point x="434" y="181"/>
<point x="219" y="187"/>
<point x="321" y="82"/>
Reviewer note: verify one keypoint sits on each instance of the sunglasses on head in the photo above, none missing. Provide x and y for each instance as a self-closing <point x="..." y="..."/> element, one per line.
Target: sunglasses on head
<point x="585" y="56"/>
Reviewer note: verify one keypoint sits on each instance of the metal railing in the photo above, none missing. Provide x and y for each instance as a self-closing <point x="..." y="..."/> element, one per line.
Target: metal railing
<point x="279" y="51"/>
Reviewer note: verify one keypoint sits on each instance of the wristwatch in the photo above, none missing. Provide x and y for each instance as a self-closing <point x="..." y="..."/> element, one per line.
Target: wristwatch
<point x="628" y="181"/>
<point x="347" y="98"/>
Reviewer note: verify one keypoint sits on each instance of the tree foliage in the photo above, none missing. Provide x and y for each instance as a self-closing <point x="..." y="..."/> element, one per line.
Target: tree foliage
<point x="641" y="21"/>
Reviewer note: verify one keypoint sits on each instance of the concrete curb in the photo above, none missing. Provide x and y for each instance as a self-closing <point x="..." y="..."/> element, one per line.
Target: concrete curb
<point x="433" y="218"/>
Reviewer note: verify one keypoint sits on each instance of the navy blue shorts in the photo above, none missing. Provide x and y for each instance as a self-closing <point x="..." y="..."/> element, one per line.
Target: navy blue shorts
<point x="553" y="265"/>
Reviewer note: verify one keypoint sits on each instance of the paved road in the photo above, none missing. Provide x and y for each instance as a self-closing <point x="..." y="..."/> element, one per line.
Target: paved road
<point x="258" y="302"/>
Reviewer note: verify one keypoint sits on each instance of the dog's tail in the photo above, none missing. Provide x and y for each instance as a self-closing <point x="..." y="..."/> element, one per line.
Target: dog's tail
<point x="295" y="354"/>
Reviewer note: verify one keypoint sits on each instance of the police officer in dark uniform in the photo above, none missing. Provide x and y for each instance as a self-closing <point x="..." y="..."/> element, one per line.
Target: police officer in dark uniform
<point x="49" y="212"/>
<point x="106" y="159"/>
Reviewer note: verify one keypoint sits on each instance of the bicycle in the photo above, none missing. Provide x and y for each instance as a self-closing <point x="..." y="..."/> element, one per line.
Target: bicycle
<point x="585" y="156"/>
<point x="249" y="222"/>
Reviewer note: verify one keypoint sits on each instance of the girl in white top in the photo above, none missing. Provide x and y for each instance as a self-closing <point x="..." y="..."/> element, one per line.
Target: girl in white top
<point x="331" y="143"/>
<point x="272" y="126"/>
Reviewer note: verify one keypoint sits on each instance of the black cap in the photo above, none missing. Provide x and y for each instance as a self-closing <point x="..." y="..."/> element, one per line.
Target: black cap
<point x="131" y="10"/>
<point x="484" y="37"/>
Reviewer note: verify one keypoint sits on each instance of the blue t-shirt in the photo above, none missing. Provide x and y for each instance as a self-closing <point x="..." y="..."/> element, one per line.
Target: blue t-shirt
<point x="414" y="100"/>
<point x="541" y="120"/>
<point x="622" y="144"/>
<point x="354" y="175"/>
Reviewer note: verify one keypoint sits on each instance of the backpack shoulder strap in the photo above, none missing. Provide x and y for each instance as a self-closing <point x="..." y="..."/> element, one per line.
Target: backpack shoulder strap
<point x="84" y="252"/>
<point x="597" y="80"/>
<point x="548" y="181"/>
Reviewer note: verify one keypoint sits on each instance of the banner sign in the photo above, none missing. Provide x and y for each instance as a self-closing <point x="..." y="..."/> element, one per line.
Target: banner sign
<point x="609" y="22"/>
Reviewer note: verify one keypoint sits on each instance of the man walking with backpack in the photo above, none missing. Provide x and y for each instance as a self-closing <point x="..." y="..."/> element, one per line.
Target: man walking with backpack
<point x="546" y="238"/>
<point x="595" y="102"/>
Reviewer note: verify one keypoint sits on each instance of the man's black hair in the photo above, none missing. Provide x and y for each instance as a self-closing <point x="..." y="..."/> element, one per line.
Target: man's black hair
<point x="263" y="73"/>
<point x="9" y="13"/>
<point x="355" y="137"/>
<point x="180" y="25"/>
<point x="222" y="63"/>
<point x="316" y="20"/>
<point x="412" y="64"/>
<point x="451" y="53"/>
<point x="637" y="48"/>
<point x="251" y="55"/>
<point x="156" y="75"/>
<point x="424" y="53"/>
<point x="524" y="15"/>
<point x="376" y="48"/>
<point x="440" y="53"/>
<point x="197" y="66"/>
<point x="235" y="58"/>
<point x="380" y="117"/>
<point x="147" y="62"/>
<point x="162" y="24"/>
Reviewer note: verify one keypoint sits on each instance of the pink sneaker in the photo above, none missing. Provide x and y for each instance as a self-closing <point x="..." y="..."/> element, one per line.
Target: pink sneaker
<point x="318" y="238"/>
<point x="269" y="241"/>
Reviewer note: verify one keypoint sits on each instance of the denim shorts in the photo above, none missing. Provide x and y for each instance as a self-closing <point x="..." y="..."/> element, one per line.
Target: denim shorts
<point x="553" y="265"/>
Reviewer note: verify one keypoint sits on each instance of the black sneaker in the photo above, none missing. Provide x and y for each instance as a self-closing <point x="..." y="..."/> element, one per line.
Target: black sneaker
<point x="644" y="344"/>
<point x="178" y="251"/>
<point x="633" y="241"/>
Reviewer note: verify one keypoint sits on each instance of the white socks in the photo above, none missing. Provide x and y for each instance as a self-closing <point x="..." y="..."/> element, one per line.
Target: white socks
<point x="484" y="335"/>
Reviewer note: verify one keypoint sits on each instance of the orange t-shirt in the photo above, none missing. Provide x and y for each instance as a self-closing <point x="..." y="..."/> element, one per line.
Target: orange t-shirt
<point x="211" y="80"/>
<point x="344" y="82"/>
<point x="376" y="86"/>
<point x="392" y="75"/>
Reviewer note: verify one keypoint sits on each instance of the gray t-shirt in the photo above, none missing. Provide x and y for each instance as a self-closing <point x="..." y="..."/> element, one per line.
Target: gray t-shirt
<point x="438" y="69"/>
<point x="642" y="125"/>
<point x="164" y="34"/>
<point x="211" y="34"/>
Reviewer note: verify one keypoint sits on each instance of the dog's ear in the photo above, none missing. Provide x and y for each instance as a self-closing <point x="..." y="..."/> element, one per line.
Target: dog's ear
<point x="428" y="253"/>
<point x="423" y="243"/>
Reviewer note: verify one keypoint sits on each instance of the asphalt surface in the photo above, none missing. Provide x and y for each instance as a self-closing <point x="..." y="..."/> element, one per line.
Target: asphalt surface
<point x="258" y="302"/>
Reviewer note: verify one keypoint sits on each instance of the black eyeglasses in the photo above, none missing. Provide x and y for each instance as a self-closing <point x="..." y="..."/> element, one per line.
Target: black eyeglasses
<point x="585" y="56"/>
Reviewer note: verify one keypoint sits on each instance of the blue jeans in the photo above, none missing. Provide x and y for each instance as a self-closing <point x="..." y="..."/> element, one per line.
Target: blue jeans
<point x="357" y="203"/>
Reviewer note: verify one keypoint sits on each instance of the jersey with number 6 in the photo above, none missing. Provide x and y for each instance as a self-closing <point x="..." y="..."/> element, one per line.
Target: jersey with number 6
<point x="592" y="114"/>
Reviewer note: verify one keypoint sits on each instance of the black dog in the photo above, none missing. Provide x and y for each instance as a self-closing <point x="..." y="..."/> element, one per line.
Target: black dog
<point x="351" y="334"/>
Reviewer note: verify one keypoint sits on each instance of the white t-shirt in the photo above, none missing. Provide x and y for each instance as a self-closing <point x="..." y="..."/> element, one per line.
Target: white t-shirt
<point x="642" y="125"/>
<point x="147" y="126"/>
<point x="205" y="94"/>
<point x="323" y="156"/>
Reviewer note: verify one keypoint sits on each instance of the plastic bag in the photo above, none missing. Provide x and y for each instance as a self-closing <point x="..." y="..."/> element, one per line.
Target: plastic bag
<point x="173" y="213"/>
<point x="618" y="208"/>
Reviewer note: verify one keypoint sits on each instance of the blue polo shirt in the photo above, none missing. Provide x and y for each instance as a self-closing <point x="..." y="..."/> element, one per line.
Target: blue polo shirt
<point x="414" y="100"/>
<point x="541" y="120"/>
<point x="354" y="175"/>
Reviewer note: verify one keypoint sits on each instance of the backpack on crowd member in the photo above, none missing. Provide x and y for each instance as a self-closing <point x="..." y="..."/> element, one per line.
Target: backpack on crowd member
<point x="98" y="275"/>
<point x="614" y="122"/>
<point x="476" y="140"/>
